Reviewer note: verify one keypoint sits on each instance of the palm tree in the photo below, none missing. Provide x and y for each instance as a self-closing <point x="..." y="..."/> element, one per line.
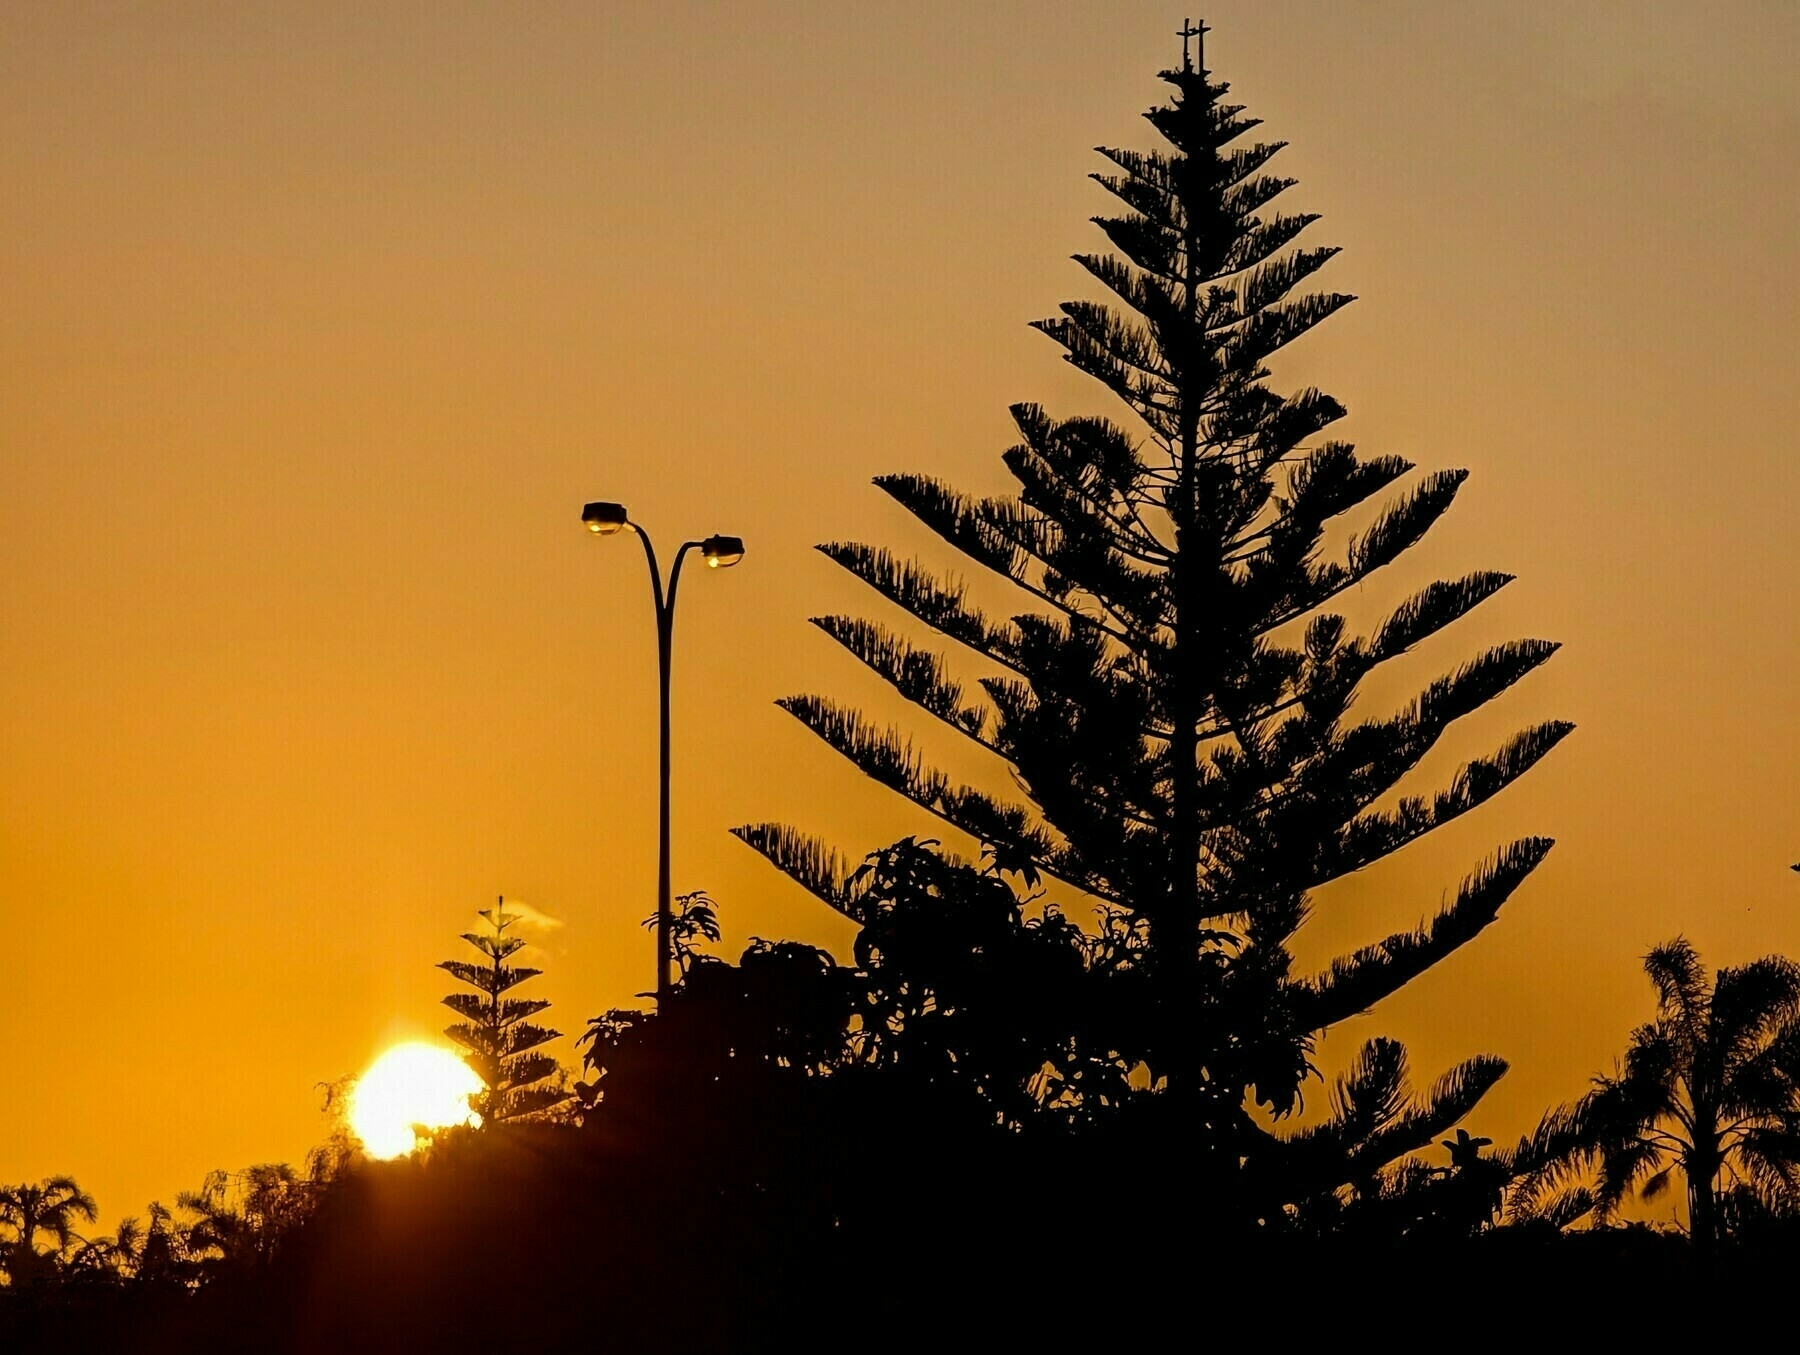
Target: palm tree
<point x="244" y="1216"/>
<point x="111" y="1259"/>
<point x="1708" y="1090"/>
<point x="166" y="1255"/>
<point x="51" y="1206"/>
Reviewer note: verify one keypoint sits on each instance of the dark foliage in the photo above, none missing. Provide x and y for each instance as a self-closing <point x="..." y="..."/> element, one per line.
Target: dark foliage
<point x="798" y="1154"/>
<point x="801" y="1211"/>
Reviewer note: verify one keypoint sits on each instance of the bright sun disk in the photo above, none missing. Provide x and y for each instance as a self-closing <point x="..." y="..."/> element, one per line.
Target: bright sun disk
<point x="411" y="1084"/>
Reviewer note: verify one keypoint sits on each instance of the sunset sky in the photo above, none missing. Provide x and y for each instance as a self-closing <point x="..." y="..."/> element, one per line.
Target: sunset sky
<point x="322" y="320"/>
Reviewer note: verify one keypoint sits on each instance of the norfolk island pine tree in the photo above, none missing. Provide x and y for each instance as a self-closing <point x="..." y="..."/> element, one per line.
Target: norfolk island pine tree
<point x="499" y="1039"/>
<point x="1184" y="761"/>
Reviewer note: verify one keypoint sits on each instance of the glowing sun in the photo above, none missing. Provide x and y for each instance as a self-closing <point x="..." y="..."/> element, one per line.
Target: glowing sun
<point x="411" y="1084"/>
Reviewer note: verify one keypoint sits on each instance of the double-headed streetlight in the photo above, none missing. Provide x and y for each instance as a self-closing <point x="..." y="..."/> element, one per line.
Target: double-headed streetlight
<point x="720" y="552"/>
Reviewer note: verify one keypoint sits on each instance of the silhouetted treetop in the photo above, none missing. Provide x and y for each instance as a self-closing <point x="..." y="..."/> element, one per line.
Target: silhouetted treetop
<point x="499" y="1039"/>
<point x="33" y="1214"/>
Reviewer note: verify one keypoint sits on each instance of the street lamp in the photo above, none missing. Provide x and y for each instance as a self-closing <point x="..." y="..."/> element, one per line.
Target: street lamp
<point x="719" y="552"/>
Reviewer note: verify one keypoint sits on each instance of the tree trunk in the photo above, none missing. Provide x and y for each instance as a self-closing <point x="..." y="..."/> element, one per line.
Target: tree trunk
<point x="1703" y="1218"/>
<point x="1179" y="943"/>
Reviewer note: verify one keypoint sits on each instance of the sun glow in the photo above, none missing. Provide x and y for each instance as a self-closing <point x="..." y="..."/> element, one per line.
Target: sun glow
<point x="414" y="1084"/>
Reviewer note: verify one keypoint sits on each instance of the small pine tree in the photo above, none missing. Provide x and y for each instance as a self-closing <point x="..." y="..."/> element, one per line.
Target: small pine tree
<point x="499" y="1039"/>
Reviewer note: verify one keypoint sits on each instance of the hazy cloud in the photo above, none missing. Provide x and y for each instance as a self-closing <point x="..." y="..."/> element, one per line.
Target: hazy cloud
<point x="531" y="919"/>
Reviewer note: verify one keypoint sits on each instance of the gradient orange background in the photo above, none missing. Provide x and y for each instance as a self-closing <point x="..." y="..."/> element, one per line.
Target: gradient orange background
<point x="321" y="321"/>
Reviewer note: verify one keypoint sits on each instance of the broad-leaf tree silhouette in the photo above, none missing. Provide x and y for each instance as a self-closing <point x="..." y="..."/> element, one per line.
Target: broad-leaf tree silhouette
<point x="500" y="1041"/>
<point x="1174" y="705"/>
<point x="1708" y="1093"/>
<point x="782" y="1011"/>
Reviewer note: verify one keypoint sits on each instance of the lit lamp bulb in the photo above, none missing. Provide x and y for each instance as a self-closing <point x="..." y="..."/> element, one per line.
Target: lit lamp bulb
<point x="603" y="519"/>
<point x="722" y="552"/>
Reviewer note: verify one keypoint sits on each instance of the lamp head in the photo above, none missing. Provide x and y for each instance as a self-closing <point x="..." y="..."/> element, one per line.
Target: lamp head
<point x="604" y="519"/>
<point x="722" y="552"/>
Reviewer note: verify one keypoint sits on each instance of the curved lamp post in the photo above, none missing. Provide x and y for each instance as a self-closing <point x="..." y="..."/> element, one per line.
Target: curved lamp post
<point x="719" y="552"/>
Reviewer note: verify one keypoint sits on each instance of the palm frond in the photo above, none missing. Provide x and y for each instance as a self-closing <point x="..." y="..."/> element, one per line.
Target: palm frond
<point x="1680" y="979"/>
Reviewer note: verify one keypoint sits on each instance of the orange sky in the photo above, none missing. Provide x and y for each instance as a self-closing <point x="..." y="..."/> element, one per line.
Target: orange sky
<point x="322" y="320"/>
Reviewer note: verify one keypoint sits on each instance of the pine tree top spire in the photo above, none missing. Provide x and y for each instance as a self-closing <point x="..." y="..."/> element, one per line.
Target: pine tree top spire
<point x="1190" y="29"/>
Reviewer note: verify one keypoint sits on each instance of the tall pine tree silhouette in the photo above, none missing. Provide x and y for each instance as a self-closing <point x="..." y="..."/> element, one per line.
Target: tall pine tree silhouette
<point x="1174" y="705"/>
<point x="500" y="1040"/>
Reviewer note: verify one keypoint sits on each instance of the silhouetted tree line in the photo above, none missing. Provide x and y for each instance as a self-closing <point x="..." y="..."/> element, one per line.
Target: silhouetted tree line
<point x="1054" y="1091"/>
<point x="55" y="1279"/>
<point x="797" y="1148"/>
